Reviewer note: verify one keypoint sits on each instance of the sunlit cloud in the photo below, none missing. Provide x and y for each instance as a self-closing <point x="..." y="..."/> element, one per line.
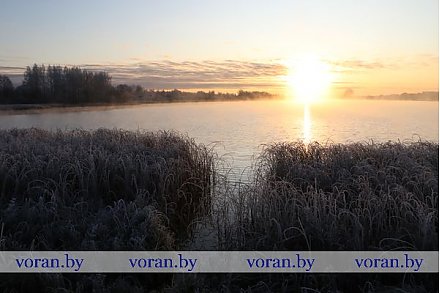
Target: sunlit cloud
<point x="360" y="64"/>
<point x="227" y="74"/>
<point x="408" y="62"/>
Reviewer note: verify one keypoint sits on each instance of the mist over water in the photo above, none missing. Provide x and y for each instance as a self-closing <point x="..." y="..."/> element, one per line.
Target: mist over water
<point x="238" y="130"/>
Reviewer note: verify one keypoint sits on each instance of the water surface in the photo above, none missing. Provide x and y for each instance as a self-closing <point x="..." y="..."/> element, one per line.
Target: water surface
<point x="238" y="130"/>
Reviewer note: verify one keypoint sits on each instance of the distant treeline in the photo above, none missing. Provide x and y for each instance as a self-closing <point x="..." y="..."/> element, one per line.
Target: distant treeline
<point x="73" y="85"/>
<point x="423" y="96"/>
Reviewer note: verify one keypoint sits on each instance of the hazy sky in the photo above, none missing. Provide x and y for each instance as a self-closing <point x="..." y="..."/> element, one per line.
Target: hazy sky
<point x="374" y="47"/>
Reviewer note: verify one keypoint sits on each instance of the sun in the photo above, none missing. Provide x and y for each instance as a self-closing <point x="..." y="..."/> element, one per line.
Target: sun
<point x="309" y="78"/>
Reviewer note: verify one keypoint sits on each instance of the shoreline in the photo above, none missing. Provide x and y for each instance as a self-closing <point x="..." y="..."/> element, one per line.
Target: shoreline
<point x="11" y="109"/>
<point x="38" y="108"/>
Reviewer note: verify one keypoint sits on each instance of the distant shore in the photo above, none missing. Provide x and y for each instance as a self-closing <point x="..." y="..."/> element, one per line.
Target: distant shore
<point x="423" y="96"/>
<point x="37" y="108"/>
<point x="27" y="108"/>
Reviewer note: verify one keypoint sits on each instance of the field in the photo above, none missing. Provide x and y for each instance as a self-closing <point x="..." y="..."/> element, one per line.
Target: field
<point x="120" y="190"/>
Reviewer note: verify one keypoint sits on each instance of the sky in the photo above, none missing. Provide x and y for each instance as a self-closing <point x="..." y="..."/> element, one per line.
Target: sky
<point x="371" y="47"/>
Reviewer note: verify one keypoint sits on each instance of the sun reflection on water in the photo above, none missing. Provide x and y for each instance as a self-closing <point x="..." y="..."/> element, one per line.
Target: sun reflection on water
<point x="307" y="125"/>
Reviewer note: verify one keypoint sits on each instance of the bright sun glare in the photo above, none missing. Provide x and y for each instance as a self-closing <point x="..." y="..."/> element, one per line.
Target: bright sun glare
<point x="309" y="78"/>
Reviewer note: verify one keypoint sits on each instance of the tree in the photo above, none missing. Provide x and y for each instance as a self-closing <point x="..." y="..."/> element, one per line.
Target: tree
<point x="56" y="83"/>
<point x="65" y="85"/>
<point x="6" y="89"/>
<point x="35" y="84"/>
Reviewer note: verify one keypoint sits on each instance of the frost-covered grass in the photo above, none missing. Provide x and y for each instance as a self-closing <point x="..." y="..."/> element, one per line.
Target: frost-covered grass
<point x="343" y="197"/>
<point x="100" y="189"/>
<point x="120" y="190"/>
<point x="362" y="196"/>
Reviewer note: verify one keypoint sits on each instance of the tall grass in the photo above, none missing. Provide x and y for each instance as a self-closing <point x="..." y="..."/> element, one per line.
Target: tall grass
<point x="99" y="190"/>
<point x="341" y="197"/>
<point x="361" y="196"/>
<point x="120" y="190"/>
<point x="64" y="176"/>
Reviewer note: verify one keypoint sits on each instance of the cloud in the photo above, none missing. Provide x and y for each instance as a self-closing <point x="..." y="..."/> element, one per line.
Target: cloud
<point x="395" y="63"/>
<point x="360" y="64"/>
<point x="12" y="69"/>
<point x="189" y="74"/>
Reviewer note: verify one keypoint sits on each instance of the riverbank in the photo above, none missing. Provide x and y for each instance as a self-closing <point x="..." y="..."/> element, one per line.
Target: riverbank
<point x="57" y="107"/>
<point x="122" y="190"/>
<point x="44" y="108"/>
<point x="27" y="108"/>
